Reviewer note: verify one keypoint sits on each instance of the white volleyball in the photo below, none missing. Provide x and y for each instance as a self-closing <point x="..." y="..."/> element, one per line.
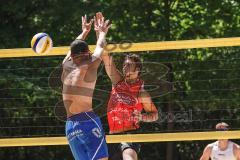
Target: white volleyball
<point x="41" y="43"/>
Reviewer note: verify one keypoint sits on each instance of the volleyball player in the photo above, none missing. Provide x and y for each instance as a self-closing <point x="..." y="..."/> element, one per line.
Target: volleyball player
<point x="223" y="149"/>
<point x="127" y="101"/>
<point x="83" y="128"/>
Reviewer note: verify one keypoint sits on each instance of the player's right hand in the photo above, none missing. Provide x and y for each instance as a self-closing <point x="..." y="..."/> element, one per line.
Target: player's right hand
<point x="86" y="26"/>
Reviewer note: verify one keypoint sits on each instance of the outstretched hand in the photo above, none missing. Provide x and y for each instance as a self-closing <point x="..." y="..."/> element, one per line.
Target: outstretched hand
<point x="96" y="18"/>
<point x="86" y="26"/>
<point x="99" y="24"/>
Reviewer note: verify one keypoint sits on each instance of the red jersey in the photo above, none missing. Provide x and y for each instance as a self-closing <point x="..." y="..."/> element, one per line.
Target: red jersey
<point x="122" y="103"/>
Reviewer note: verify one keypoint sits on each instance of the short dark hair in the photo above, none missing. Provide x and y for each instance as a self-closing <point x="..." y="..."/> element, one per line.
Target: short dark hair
<point x="136" y="60"/>
<point x="79" y="46"/>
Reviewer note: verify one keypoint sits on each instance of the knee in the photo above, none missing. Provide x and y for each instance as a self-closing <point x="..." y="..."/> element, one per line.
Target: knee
<point x="129" y="154"/>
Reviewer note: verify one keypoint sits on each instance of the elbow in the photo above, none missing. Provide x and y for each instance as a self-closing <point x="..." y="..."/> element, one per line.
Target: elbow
<point x="152" y="117"/>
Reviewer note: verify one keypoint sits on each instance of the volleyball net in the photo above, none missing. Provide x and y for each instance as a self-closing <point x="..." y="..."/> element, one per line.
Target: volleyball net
<point x="193" y="83"/>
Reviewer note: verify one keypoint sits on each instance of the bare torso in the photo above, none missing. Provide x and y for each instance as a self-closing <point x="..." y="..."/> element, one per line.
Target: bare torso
<point x="78" y="85"/>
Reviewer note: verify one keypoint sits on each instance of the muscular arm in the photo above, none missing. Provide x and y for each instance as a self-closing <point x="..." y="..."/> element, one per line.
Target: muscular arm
<point x="206" y="153"/>
<point x="236" y="151"/>
<point x="86" y="27"/>
<point x="68" y="56"/>
<point x="83" y="35"/>
<point x="149" y="107"/>
<point x="102" y="28"/>
<point x="99" y="47"/>
<point x="109" y="64"/>
<point x="110" y="67"/>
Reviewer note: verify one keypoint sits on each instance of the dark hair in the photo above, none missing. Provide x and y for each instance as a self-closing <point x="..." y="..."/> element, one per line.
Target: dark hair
<point x="136" y="60"/>
<point x="78" y="46"/>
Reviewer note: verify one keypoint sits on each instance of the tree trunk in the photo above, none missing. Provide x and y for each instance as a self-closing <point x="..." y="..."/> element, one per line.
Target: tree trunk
<point x="170" y="145"/>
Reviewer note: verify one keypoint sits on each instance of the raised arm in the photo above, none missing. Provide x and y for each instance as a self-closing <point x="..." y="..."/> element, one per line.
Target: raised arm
<point x="109" y="64"/>
<point x="86" y="27"/>
<point x="206" y="153"/>
<point x="102" y="27"/>
<point x="96" y="18"/>
<point x="111" y="70"/>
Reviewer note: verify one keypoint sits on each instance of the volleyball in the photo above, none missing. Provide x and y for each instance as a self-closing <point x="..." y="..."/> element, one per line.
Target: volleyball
<point x="41" y="43"/>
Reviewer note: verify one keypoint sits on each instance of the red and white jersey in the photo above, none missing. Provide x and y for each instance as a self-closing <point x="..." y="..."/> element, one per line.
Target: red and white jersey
<point x="122" y="103"/>
<point x="218" y="154"/>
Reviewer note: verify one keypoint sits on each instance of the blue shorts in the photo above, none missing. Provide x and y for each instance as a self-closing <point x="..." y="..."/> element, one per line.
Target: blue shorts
<point x="86" y="136"/>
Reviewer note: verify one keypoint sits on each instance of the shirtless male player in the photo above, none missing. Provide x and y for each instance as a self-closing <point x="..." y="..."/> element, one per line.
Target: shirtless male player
<point x="83" y="128"/>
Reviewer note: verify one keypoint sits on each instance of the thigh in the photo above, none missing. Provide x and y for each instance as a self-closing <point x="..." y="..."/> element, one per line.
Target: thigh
<point x="76" y="143"/>
<point x="129" y="154"/>
<point x="90" y="135"/>
<point x="130" y="150"/>
<point x="78" y="149"/>
<point x="97" y="146"/>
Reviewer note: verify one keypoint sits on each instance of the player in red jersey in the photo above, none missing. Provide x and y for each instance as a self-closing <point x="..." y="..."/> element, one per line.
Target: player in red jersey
<point x="129" y="103"/>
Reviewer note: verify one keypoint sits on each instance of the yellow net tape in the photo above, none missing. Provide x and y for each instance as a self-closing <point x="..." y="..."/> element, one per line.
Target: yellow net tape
<point x="156" y="137"/>
<point x="134" y="47"/>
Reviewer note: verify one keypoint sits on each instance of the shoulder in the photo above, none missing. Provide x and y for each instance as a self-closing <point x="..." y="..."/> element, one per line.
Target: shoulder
<point x="68" y="57"/>
<point x="67" y="63"/>
<point x="236" y="150"/>
<point x="209" y="147"/>
<point x="236" y="146"/>
<point x="141" y="82"/>
<point x="142" y="91"/>
<point x="118" y="84"/>
<point x="207" y="152"/>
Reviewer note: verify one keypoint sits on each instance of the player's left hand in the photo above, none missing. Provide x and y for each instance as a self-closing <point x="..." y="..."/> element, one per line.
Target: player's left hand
<point x="137" y="116"/>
